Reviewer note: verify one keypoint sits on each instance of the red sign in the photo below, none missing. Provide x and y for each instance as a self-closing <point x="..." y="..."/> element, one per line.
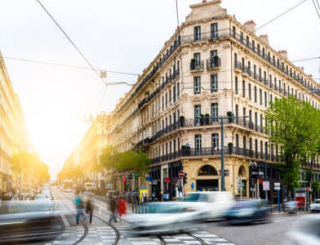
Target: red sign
<point x="260" y="180"/>
<point x="168" y="180"/>
<point x="308" y="189"/>
<point x="181" y="174"/>
<point x="124" y="178"/>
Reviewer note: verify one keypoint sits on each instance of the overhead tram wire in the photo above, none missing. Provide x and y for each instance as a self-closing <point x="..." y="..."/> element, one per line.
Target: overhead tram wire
<point x="67" y="65"/>
<point x="317" y="1"/>
<point x="307" y="59"/>
<point x="70" y="40"/>
<point x="317" y="10"/>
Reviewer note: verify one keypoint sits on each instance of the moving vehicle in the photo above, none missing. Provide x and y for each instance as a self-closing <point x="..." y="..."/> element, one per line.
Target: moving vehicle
<point x="44" y="202"/>
<point x="212" y="204"/>
<point x="304" y="231"/>
<point x="315" y="206"/>
<point x="89" y="186"/>
<point x="46" y="191"/>
<point x="249" y="211"/>
<point x="68" y="185"/>
<point x="161" y="218"/>
<point x="28" y="221"/>
<point x="291" y="207"/>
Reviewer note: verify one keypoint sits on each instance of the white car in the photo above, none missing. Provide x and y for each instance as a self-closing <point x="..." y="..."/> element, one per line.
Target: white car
<point x="212" y="204"/>
<point x="305" y="231"/>
<point x="162" y="218"/>
<point x="315" y="206"/>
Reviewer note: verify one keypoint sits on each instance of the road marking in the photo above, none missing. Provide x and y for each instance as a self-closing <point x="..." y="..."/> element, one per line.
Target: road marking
<point x="65" y="221"/>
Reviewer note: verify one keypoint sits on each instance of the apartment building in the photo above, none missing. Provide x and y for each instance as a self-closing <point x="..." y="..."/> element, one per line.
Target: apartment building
<point x="87" y="152"/>
<point x="13" y="132"/>
<point x="212" y="66"/>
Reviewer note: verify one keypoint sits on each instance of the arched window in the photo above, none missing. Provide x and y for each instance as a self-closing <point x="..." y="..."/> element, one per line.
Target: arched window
<point x="207" y="170"/>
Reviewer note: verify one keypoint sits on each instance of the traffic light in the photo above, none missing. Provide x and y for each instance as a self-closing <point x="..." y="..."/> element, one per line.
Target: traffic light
<point x="185" y="178"/>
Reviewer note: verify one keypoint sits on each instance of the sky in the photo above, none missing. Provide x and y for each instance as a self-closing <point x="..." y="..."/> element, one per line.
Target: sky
<point x="120" y="35"/>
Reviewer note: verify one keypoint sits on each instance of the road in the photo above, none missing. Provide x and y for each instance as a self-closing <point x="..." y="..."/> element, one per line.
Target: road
<point x="101" y="233"/>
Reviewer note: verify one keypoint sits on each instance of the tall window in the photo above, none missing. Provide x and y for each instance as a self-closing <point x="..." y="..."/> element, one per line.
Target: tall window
<point x="197" y="33"/>
<point x="214" y="30"/>
<point x="244" y="112"/>
<point x="256" y="147"/>
<point x="249" y="88"/>
<point x="178" y="90"/>
<point x="265" y="99"/>
<point x="243" y="89"/>
<point x="258" y="49"/>
<point x="197" y="113"/>
<point x="236" y="85"/>
<point x="241" y="37"/>
<point x="197" y="85"/>
<point x="261" y="123"/>
<point x="174" y="94"/>
<point x="234" y="32"/>
<point x="198" y="143"/>
<point x="255" y="94"/>
<point x="214" y="83"/>
<point x="215" y="141"/>
<point x="256" y="120"/>
<point x="260" y="92"/>
<point x="214" y="112"/>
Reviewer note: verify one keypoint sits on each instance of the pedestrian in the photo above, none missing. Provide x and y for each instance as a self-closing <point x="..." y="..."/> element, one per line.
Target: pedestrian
<point x="121" y="207"/>
<point x="89" y="208"/>
<point x="112" y="203"/>
<point x="79" y="207"/>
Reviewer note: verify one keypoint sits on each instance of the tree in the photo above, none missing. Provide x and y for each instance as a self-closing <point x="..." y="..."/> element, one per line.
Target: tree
<point x="295" y="127"/>
<point x="109" y="157"/>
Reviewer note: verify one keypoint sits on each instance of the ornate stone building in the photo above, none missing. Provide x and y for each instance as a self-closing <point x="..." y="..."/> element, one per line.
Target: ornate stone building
<point x="212" y="66"/>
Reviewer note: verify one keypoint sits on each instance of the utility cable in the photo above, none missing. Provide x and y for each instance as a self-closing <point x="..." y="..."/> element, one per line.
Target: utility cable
<point x="280" y="15"/>
<point x="67" y="66"/>
<point x="70" y="40"/>
<point x="307" y="59"/>
<point x="315" y="6"/>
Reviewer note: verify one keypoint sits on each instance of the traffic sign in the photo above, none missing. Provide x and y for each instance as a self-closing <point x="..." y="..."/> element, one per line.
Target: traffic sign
<point x="181" y="174"/>
<point x="266" y="185"/>
<point x="192" y="185"/>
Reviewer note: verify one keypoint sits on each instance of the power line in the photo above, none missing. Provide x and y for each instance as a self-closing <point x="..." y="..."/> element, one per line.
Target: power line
<point x="318" y="4"/>
<point x="70" y="40"/>
<point x="315" y="6"/>
<point x="66" y="65"/>
<point x="280" y="15"/>
<point x="307" y="59"/>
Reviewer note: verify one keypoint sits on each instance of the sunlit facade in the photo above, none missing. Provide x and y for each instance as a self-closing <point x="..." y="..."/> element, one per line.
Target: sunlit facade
<point x="87" y="152"/>
<point x="213" y="66"/>
<point x="13" y="132"/>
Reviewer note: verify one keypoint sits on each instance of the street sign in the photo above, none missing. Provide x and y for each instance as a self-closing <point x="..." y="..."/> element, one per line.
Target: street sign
<point x="148" y="178"/>
<point x="277" y="186"/>
<point x="192" y="185"/>
<point x="135" y="175"/>
<point x="181" y="174"/>
<point x="266" y="185"/>
<point x="168" y="180"/>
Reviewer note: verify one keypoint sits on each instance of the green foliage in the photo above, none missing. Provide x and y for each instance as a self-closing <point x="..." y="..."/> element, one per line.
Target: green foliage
<point x="295" y="126"/>
<point x="126" y="161"/>
<point x="315" y="187"/>
<point x="31" y="167"/>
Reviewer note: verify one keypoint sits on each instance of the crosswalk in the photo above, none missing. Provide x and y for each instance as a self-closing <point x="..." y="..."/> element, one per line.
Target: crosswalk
<point x="106" y="235"/>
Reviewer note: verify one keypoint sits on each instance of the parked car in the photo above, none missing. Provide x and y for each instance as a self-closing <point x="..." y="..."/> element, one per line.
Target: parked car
<point x="163" y="218"/>
<point x="249" y="211"/>
<point x="304" y="231"/>
<point x="291" y="207"/>
<point x="213" y="204"/>
<point x="315" y="206"/>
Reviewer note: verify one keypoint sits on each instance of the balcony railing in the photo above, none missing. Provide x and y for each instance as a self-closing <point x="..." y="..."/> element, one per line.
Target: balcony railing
<point x="213" y="63"/>
<point x="196" y="65"/>
<point x="210" y="151"/>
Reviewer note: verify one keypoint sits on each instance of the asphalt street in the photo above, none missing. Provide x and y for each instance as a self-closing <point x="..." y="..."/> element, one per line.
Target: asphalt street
<point x="101" y="233"/>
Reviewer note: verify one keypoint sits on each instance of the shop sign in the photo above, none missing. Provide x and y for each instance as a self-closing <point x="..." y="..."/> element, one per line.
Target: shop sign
<point x="168" y="180"/>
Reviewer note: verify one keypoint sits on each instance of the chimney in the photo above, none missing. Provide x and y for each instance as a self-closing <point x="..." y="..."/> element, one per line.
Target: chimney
<point x="264" y="38"/>
<point x="204" y="1"/>
<point x="250" y="26"/>
<point x="301" y="68"/>
<point x="310" y="75"/>
<point x="283" y="53"/>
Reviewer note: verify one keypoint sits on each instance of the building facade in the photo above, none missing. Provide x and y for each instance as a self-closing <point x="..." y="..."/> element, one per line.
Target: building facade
<point x="213" y="66"/>
<point x="13" y="132"/>
<point x="87" y="152"/>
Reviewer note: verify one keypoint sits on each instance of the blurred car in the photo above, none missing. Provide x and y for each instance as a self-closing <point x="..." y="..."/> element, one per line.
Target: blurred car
<point x="249" y="211"/>
<point x="46" y="191"/>
<point x="291" y="206"/>
<point x="305" y="231"/>
<point x="43" y="202"/>
<point x="26" y="222"/>
<point x="162" y="218"/>
<point x="212" y="204"/>
<point x="315" y="206"/>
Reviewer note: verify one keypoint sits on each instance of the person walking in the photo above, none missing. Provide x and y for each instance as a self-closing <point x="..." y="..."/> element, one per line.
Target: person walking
<point x="112" y="203"/>
<point x="79" y="207"/>
<point x="89" y="208"/>
<point x="121" y="207"/>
